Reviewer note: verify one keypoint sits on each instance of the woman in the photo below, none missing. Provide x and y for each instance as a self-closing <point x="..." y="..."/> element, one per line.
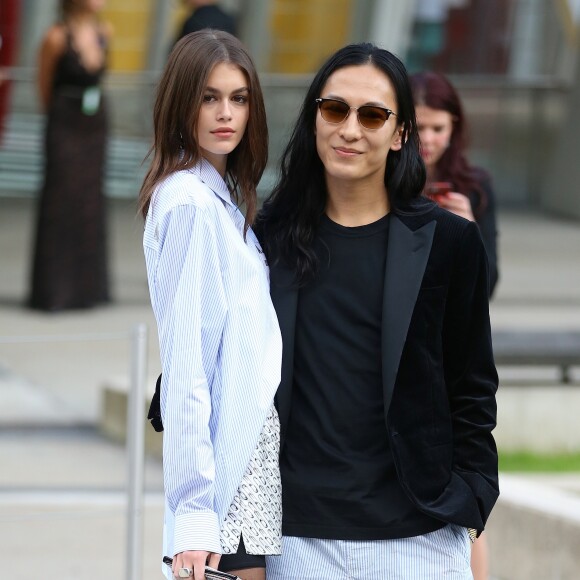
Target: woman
<point x="219" y="338"/>
<point x="387" y="398"/>
<point x="70" y="262"/>
<point x="467" y="190"/>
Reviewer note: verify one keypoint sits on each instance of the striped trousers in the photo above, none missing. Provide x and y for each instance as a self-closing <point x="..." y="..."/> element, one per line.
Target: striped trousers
<point x="441" y="555"/>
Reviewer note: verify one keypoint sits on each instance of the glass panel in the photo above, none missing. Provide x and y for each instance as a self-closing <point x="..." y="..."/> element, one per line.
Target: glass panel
<point x="488" y="37"/>
<point x="305" y="32"/>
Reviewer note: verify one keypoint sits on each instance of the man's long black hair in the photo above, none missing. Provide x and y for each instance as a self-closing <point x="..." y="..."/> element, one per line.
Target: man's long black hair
<point x="290" y="215"/>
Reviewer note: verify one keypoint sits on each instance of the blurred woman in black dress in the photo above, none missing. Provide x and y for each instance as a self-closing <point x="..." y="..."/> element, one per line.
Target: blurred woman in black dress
<point x="70" y="262"/>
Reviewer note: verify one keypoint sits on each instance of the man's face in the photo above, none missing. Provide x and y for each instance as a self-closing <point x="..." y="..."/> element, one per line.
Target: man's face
<point x="348" y="150"/>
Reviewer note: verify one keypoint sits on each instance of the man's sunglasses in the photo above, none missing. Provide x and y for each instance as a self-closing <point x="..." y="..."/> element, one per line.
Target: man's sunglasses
<point x="369" y="116"/>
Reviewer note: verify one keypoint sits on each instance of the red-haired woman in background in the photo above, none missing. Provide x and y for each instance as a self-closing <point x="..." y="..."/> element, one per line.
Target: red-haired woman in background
<point x="451" y="181"/>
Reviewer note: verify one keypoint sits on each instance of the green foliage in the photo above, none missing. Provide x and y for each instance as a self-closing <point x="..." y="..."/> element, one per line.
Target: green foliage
<point x="537" y="462"/>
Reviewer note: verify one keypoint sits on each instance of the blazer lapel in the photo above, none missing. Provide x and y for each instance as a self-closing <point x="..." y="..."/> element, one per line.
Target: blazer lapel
<point x="284" y="293"/>
<point x="407" y="256"/>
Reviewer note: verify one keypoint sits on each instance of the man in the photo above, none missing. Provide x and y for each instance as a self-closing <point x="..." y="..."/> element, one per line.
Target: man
<point x="387" y="398"/>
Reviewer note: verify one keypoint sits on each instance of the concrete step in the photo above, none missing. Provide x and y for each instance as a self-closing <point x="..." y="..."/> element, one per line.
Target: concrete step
<point x="113" y="419"/>
<point x="534" y="530"/>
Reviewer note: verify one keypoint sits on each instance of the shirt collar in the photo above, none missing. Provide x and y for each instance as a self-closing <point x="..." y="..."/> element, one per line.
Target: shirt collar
<point x="211" y="177"/>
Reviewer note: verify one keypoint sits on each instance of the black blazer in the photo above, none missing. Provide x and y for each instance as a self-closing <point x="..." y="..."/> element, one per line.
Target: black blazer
<point x="439" y="377"/>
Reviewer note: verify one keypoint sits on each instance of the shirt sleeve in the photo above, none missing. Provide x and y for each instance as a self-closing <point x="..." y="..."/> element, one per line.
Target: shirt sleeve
<point x="192" y="308"/>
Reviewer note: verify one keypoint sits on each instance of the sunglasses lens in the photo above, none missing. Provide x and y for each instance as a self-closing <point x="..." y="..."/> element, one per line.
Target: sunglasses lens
<point x="369" y="117"/>
<point x="334" y="111"/>
<point x="372" y="117"/>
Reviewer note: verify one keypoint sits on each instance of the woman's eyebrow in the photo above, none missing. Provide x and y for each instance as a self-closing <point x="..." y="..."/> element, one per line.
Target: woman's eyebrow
<point x="218" y="92"/>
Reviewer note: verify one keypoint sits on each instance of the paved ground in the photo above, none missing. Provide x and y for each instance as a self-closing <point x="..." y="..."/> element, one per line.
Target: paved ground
<point x="62" y="486"/>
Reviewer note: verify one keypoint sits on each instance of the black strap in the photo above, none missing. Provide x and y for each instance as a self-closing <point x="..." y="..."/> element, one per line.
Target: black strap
<point x="154" y="414"/>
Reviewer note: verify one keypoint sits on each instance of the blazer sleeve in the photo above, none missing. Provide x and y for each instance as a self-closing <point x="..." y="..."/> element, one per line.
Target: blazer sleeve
<point x="470" y="372"/>
<point x="189" y="284"/>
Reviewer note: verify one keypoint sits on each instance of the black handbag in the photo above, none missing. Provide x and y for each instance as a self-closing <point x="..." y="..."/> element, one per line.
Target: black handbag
<point x="154" y="414"/>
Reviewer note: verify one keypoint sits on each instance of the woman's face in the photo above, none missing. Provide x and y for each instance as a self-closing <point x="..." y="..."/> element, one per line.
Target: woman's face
<point x="348" y="150"/>
<point x="435" y="130"/>
<point x="224" y="114"/>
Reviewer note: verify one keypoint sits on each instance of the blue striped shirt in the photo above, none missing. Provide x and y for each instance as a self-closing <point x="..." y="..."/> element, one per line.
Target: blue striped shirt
<point x="220" y="349"/>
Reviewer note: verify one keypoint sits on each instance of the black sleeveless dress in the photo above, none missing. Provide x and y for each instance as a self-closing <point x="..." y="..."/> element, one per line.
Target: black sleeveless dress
<point x="70" y="259"/>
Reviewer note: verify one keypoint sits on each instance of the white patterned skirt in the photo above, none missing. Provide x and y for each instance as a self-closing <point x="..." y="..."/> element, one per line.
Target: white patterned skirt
<point x="256" y="510"/>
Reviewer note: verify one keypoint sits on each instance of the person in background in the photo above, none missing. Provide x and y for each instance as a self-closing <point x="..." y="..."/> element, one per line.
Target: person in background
<point x="387" y="400"/>
<point x="69" y="268"/>
<point x="467" y="191"/>
<point x="219" y="337"/>
<point x="463" y="189"/>
<point x="207" y="14"/>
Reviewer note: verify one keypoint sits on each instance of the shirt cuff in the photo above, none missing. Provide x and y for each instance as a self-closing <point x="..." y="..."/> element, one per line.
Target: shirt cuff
<point x="197" y="531"/>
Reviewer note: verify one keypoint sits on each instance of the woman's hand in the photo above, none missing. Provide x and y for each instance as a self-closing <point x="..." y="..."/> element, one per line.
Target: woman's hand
<point x="458" y="204"/>
<point x="196" y="560"/>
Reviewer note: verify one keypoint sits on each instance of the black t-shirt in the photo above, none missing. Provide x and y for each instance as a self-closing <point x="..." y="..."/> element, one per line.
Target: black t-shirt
<point x="338" y="476"/>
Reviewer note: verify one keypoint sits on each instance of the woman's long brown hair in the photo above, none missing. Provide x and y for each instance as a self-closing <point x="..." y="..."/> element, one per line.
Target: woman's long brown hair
<point x="176" y="111"/>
